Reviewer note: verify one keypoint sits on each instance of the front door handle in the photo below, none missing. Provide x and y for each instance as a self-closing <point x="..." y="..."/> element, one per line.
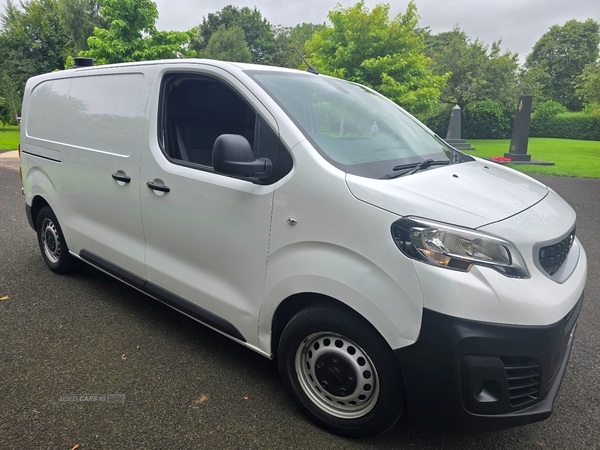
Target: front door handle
<point x="157" y="187"/>
<point x="119" y="175"/>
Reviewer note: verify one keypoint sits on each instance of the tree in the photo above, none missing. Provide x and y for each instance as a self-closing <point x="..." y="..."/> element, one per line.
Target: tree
<point x="10" y="97"/>
<point x="33" y="40"/>
<point x="132" y="35"/>
<point x="257" y="30"/>
<point x="80" y="17"/>
<point x="228" y="44"/>
<point x="367" y="47"/>
<point x="588" y="84"/>
<point x="478" y="72"/>
<point x="34" y="33"/>
<point x="288" y="38"/>
<point x="535" y="82"/>
<point x="563" y="52"/>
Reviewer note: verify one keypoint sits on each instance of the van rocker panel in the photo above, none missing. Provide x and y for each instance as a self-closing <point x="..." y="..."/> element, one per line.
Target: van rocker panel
<point x="174" y="301"/>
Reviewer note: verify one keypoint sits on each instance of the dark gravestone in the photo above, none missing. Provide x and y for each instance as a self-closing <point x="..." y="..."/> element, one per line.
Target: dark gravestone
<point x="454" y="128"/>
<point x="520" y="134"/>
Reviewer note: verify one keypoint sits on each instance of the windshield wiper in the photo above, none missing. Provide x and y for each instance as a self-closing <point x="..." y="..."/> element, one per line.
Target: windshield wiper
<point x="409" y="169"/>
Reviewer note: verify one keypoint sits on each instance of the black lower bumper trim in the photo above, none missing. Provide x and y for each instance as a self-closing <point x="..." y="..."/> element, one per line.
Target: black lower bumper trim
<point x="468" y="376"/>
<point x="29" y="216"/>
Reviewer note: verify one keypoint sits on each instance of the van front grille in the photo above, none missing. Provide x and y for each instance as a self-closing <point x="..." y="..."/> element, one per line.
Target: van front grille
<point x="553" y="256"/>
<point x="523" y="377"/>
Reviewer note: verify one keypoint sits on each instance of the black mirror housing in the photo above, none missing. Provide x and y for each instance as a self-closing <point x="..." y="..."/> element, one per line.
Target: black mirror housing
<point x="233" y="155"/>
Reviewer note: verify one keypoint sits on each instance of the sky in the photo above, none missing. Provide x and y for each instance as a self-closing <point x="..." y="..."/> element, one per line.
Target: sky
<point x="519" y="23"/>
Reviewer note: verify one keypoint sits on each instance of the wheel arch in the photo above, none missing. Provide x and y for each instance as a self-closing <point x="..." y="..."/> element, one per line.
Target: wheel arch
<point x="367" y="312"/>
<point x="292" y="306"/>
<point x="37" y="203"/>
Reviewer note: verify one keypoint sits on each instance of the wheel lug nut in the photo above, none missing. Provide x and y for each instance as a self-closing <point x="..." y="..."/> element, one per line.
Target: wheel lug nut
<point x="335" y="360"/>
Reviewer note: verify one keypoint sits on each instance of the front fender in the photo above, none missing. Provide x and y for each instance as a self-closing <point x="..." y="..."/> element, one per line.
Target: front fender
<point x="392" y="303"/>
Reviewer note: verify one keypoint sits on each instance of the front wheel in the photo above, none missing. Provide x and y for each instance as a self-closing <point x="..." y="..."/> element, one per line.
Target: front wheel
<point x="52" y="243"/>
<point x="341" y="372"/>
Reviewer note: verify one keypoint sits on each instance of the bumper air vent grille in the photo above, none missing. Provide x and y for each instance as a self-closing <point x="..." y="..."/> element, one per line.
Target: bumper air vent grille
<point x="553" y="256"/>
<point x="523" y="381"/>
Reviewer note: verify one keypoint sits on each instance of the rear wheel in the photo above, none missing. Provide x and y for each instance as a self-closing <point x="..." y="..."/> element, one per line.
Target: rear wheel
<point x="341" y="372"/>
<point x="52" y="243"/>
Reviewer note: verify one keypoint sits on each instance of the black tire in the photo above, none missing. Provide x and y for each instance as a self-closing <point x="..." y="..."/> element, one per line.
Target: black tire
<point x="52" y="243"/>
<point x="341" y="372"/>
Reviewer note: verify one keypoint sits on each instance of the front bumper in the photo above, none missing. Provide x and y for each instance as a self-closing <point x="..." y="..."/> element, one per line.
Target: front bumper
<point x="471" y="376"/>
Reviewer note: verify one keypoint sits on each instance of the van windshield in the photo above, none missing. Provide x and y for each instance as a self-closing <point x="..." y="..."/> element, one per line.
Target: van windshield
<point x="355" y="129"/>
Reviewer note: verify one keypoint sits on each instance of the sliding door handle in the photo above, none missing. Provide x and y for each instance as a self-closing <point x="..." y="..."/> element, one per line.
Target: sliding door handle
<point x="119" y="175"/>
<point x="157" y="187"/>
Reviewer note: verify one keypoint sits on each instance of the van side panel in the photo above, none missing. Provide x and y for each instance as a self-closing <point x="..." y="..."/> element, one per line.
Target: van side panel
<point x="105" y="113"/>
<point x="41" y="129"/>
<point x="338" y="247"/>
<point x="45" y="119"/>
<point x="104" y="122"/>
<point x="207" y="238"/>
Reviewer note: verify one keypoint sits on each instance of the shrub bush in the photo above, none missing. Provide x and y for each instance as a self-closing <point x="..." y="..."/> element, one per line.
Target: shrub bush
<point x="481" y="120"/>
<point x="542" y="116"/>
<point x="486" y="120"/>
<point x="438" y="120"/>
<point x="549" y="109"/>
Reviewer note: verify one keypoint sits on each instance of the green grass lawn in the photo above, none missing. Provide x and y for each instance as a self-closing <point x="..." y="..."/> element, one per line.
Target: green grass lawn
<point x="571" y="158"/>
<point x="9" y="137"/>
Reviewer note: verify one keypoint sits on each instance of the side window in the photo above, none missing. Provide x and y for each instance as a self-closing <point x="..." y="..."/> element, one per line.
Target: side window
<point x="196" y="110"/>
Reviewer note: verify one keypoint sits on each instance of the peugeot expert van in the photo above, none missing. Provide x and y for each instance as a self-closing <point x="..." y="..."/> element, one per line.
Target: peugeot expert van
<point x="385" y="271"/>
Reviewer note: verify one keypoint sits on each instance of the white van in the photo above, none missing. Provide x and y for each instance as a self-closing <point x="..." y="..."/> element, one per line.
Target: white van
<point x="386" y="272"/>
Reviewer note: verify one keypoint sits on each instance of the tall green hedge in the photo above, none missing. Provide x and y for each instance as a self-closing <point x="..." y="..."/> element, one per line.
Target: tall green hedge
<point x="567" y="125"/>
<point x="488" y="120"/>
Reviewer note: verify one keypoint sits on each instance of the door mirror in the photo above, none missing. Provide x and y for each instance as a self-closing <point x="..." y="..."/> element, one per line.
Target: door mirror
<point x="233" y="155"/>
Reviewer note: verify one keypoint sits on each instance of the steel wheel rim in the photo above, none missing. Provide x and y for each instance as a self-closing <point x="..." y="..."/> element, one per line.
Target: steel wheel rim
<point x="50" y="241"/>
<point x="330" y="386"/>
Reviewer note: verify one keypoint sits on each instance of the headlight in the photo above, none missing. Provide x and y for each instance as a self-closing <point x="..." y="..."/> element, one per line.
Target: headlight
<point x="456" y="248"/>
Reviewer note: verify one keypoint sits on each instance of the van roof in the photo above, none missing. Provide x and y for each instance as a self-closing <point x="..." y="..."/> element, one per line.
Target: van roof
<point x="212" y="62"/>
<point x="235" y="66"/>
